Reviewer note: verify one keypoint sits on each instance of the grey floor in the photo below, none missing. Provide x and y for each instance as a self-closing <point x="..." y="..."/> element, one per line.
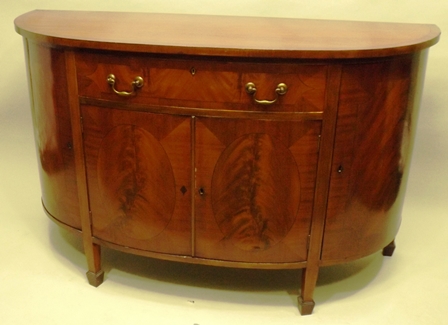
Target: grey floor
<point x="42" y="267"/>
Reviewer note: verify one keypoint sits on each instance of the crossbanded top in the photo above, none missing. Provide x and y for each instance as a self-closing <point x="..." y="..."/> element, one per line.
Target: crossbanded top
<point x="225" y="35"/>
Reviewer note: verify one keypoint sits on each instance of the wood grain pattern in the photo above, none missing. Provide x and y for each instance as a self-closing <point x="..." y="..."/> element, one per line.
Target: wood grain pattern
<point x="138" y="189"/>
<point x="372" y="152"/>
<point x="255" y="192"/>
<point x="258" y="180"/>
<point x="214" y="83"/>
<point x="53" y="133"/>
<point x="142" y="199"/>
<point x="225" y="36"/>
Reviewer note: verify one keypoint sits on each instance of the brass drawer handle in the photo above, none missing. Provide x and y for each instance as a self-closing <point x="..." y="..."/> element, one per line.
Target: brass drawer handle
<point x="137" y="83"/>
<point x="279" y="91"/>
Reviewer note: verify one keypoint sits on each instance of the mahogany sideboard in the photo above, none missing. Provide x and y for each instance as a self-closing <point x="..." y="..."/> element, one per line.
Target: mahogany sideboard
<point x="227" y="141"/>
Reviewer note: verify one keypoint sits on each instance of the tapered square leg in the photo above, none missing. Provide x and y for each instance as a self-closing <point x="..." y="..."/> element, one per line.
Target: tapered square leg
<point x="305" y="307"/>
<point x="305" y="299"/>
<point x="95" y="279"/>
<point x="389" y="249"/>
<point x="95" y="275"/>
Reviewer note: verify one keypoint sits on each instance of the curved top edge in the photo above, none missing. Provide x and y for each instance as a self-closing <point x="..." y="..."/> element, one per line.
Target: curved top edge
<point x="225" y="35"/>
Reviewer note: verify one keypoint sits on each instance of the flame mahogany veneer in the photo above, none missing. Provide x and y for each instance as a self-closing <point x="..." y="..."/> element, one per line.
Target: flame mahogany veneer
<point x="186" y="165"/>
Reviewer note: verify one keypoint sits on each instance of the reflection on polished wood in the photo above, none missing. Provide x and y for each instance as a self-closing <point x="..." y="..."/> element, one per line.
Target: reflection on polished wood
<point x="201" y="141"/>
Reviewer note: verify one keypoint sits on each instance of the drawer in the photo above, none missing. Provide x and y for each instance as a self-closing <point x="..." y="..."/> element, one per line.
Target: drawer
<point x="202" y="83"/>
<point x="304" y="87"/>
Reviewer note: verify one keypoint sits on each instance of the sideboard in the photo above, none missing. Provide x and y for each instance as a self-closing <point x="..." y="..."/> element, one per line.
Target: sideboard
<point x="227" y="141"/>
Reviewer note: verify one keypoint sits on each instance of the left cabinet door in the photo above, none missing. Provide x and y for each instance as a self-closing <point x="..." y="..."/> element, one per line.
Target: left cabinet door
<point x="139" y="178"/>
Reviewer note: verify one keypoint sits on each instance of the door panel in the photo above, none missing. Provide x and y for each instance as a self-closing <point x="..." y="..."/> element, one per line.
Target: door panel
<point x="254" y="188"/>
<point x="138" y="171"/>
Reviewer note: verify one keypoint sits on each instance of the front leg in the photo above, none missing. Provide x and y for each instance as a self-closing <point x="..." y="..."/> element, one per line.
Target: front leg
<point x="305" y="299"/>
<point x="95" y="275"/>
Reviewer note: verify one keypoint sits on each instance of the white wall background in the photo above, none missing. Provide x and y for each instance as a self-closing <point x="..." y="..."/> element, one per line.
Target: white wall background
<point x="42" y="268"/>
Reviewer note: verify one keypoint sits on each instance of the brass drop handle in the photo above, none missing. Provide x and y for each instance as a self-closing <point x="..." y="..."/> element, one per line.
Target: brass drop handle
<point x="279" y="91"/>
<point x="137" y="83"/>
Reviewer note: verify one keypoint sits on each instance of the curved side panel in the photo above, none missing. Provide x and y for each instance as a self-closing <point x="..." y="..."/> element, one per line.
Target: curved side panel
<point x="52" y="132"/>
<point x="375" y="131"/>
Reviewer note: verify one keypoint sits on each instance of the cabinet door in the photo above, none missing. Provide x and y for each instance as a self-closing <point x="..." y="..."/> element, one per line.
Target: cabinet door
<point x="254" y="188"/>
<point x="139" y="178"/>
<point x="373" y="142"/>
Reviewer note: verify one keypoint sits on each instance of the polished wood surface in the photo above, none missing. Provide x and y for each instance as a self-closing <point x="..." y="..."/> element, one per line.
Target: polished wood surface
<point x="53" y="134"/>
<point x="143" y="199"/>
<point x="206" y="83"/>
<point x="225" y="36"/>
<point x="191" y="166"/>
<point x="254" y="188"/>
<point x="370" y="158"/>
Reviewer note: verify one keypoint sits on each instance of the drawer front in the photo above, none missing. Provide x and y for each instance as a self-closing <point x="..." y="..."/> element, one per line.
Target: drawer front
<point x="304" y="87"/>
<point x="203" y="83"/>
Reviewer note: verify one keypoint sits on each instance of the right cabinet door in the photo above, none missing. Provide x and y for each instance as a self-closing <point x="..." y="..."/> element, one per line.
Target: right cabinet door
<point x="254" y="188"/>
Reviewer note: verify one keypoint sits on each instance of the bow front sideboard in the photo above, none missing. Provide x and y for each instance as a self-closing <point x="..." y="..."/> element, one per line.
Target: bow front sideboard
<point x="227" y="141"/>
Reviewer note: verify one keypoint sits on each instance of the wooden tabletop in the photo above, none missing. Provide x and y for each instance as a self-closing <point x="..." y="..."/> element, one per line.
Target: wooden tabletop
<point x="225" y="35"/>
